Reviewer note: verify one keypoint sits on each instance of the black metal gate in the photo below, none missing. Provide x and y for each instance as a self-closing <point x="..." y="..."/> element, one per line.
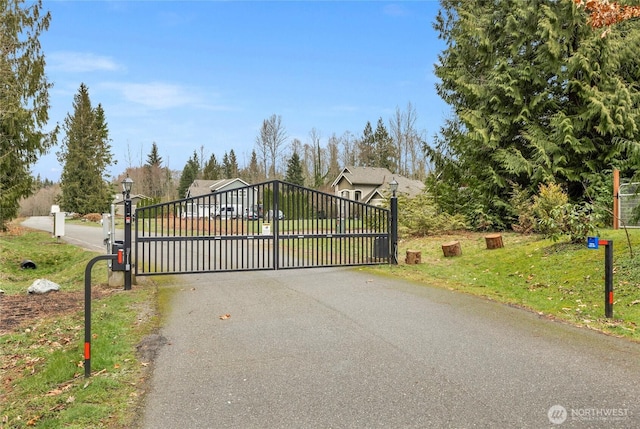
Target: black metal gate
<point x="268" y="226"/>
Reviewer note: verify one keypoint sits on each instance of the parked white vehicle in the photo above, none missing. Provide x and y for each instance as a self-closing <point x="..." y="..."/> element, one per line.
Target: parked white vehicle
<point x="229" y="210"/>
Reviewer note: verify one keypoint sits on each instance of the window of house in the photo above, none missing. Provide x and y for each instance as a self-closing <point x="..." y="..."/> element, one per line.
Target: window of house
<point x="357" y="195"/>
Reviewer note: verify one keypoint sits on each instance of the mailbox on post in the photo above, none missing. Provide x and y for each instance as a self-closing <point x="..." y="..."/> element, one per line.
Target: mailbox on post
<point x="58" y="221"/>
<point x="595" y="243"/>
<point x="118" y="264"/>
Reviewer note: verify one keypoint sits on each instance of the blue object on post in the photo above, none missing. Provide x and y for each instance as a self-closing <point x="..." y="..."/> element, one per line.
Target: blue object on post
<point x="592" y="242"/>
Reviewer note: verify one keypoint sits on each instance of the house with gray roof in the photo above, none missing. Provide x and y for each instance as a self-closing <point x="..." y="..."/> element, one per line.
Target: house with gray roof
<point x="226" y="192"/>
<point x="370" y="185"/>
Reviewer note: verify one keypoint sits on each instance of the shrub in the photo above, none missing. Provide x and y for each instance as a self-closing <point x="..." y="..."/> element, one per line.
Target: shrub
<point x="550" y="214"/>
<point x="576" y="220"/>
<point x="523" y="207"/>
<point x="545" y="204"/>
<point x="92" y="217"/>
<point x="419" y="216"/>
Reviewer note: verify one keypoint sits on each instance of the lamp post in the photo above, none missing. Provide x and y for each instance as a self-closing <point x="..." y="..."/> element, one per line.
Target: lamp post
<point x="393" y="186"/>
<point x="126" y="192"/>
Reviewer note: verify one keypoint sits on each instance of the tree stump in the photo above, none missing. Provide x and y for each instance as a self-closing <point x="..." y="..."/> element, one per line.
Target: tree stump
<point x="494" y="241"/>
<point x="413" y="257"/>
<point x="451" y="249"/>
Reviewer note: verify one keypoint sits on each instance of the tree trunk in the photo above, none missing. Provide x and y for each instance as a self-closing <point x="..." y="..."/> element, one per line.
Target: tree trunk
<point x="494" y="241"/>
<point x="413" y="257"/>
<point x="451" y="249"/>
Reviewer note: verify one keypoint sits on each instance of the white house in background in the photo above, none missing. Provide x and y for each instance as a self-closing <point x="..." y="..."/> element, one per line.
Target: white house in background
<point x="118" y="203"/>
<point x="370" y="185"/>
<point x="226" y="193"/>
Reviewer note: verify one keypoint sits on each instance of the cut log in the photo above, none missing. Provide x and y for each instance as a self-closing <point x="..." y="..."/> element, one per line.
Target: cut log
<point x="413" y="257"/>
<point x="451" y="249"/>
<point x="494" y="241"/>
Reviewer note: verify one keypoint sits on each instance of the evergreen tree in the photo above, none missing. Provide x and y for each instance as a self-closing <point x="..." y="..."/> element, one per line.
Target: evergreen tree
<point x="253" y="173"/>
<point x="155" y="176"/>
<point x="294" y="170"/>
<point x="226" y="166"/>
<point x="85" y="155"/>
<point x="24" y="101"/>
<point x="230" y="165"/>
<point x="367" y="148"/>
<point x="537" y="95"/>
<point x="189" y="174"/>
<point x="153" y="158"/>
<point x="385" y="152"/>
<point x="211" y="169"/>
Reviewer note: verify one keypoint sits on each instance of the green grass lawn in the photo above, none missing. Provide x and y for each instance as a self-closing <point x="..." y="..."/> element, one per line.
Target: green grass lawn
<point x="41" y="360"/>
<point x="559" y="280"/>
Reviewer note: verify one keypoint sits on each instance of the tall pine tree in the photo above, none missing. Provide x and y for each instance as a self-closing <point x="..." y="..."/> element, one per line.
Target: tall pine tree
<point x="190" y="172"/>
<point x="537" y="96"/>
<point x="24" y="101"/>
<point x="367" y="148"/>
<point x="385" y="152"/>
<point x="85" y="154"/>
<point x="211" y="170"/>
<point x="294" y="170"/>
<point x="156" y="176"/>
<point x="253" y="173"/>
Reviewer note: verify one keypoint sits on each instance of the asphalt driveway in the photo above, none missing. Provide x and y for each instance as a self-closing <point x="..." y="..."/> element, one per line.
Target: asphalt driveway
<point x="338" y="348"/>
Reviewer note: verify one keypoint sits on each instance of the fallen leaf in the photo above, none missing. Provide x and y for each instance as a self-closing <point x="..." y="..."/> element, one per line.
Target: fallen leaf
<point x="33" y="421"/>
<point x="225" y="316"/>
<point x="58" y="391"/>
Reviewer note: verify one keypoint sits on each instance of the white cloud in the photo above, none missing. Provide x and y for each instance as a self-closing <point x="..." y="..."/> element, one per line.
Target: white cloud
<point x="154" y="95"/>
<point x="80" y="62"/>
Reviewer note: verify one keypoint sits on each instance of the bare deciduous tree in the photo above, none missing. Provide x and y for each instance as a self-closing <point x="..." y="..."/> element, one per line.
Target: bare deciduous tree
<point x="270" y="143"/>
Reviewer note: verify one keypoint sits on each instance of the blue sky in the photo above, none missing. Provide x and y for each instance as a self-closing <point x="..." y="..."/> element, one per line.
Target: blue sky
<point x="192" y="74"/>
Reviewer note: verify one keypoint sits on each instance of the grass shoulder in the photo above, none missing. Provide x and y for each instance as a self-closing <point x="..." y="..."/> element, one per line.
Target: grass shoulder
<point x="559" y="280"/>
<point x="41" y="350"/>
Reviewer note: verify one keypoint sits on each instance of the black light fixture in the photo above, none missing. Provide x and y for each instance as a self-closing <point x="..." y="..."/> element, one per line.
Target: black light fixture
<point x="127" y="184"/>
<point x="393" y="185"/>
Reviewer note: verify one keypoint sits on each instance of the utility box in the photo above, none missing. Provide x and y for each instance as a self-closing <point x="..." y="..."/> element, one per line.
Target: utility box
<point x="119" y="264"/>
<point x="58" y="224"/>
<point x="381" y="247"/>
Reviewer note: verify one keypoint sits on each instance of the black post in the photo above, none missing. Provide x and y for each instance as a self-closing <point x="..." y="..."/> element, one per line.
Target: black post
<point x="127" y="242"/>
<point x="608" y="278"/>
<point x="87" y="310"/>
<point x="276" y="227"/>
<point x="394" y="228"/>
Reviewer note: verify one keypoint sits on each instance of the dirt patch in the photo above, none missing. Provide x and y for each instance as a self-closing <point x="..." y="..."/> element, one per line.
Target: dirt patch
<point x="149" y="347"/>
<point x="17" y="311"/>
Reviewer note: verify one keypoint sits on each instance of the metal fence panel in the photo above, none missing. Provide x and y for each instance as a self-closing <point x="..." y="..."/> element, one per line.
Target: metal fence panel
<point x="268" y="226"/>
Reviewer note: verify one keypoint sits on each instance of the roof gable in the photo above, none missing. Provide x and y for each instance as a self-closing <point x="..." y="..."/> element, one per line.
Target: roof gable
<point x="364" y="176"/>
